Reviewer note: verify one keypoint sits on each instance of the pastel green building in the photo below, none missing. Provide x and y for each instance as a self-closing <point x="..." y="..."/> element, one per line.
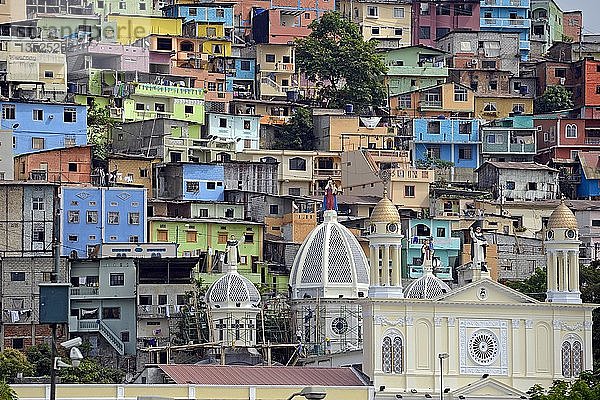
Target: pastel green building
<point x="206" y="239"/>
<point x="546" y="23"/>
<point x="414" y="67"/>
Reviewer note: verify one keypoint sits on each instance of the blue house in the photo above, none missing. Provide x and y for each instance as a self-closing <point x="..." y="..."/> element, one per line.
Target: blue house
<point x="454" y="140"/>
<point x="92" y="216"/>
<point x="44" y="126"/>
<point x="241" y="75"/>
<point x="190" y="181"/>
<point x="508" y="16"/>
<point x="589" y="167"/>
<point x="446" y="247"/>
<point x="207" y="13"/>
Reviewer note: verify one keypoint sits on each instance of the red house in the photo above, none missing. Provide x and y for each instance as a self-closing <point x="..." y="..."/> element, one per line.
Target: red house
<point x="65" y="165"/>
<point x="433" y="19"/>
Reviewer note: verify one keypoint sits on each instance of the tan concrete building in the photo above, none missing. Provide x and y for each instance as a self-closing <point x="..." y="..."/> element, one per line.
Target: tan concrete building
<point x="388" y="22"/>
<point x="132" y="169"/>
<point x="363" y="172"/>
<point x="11" y="11"/>
<point x="336" y="130"/>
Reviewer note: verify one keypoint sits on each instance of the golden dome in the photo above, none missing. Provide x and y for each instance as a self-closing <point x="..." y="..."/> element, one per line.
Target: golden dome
<point x="385" y="211"/>
<point x="562" y="218"/>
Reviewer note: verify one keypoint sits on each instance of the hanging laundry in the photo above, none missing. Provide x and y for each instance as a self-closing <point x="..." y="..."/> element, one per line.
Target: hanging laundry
<point x="15" y="315"/>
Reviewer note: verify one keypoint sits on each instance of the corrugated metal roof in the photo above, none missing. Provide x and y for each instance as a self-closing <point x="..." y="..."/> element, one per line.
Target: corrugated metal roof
<point x="231" y="375"/>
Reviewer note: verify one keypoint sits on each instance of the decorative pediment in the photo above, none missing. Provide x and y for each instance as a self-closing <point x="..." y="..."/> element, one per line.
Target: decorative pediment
<point x="488" y="388"/>
<point x="486" y="291"/>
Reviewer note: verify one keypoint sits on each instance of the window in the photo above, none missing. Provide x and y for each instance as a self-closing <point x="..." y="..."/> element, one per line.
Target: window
<point x="191" y="236"/>
<point x="249" y="237"/>
<point x="405" y="101"/>
<point x="203" y="213"/>
<point x="274" y="209"/>
<point x="111" y="312"/>
<point x="222" y="122"/>
<point x="37" y="203"/>
<point x="441" y="32"/>
<point x="493" y="85"/>
<point x="460" y="93"/>
<point x="518" y="108"/>
<point x="211" y="185"/>
<point x="372" y="11"/>
<point x="434" y="127"/>
<point x="465" y="153"/>
<point x="465" y="127"/>
<point x="72" y="167"/>
<point x="409" y="191"/>
<point x="92" y="217"/>
<point x="17" y="276"/>
<point x="442" y="9"/>
<point x="510" y="185"/>
<point x="192" y="186"/>
<point x="39" y="233"/>
<point x="73" y="216"/>
<point x="18" y="343"/>
<point x="397" y="31"/>
<point x="73" y="238"/>
<point x="222" y="238"/>
<point x="162" y="235"/>
<point x="134" y="239"/>
<point x="424" y="8"/>
<point x="113" y="217"/>
<point x="441" y="232"/>
<point x="134" y="218"/>
<point x="572" y="357"/>
<point x="424" y="32"/>
<point x="392" y="355"/>
<point x="38" y="115"/>
<point x="375" y="30"/>
<point x="159" y="107"/>
<point x="247" y="124"/>
<point x="531" y="185"/>
<point x="306" y="15"/>
<point x="189" y="109"/>
<point x="463" y="9"/>
<point x="220" y="12"/>
<point x="489" y="107"/>
<point x="560" y="72"/>
<point x="297" y="164"/>
<point x="571" y="131"/>
<point x="245" y="65"/>
<point x="70" y="115"/>
<point x="294" y="191"/>
<point x="8" y="111"/>
<point x="48" y="74"/>
<point x="270" y="58"/>
<point x="434" y="152"/>
<point x="164" y="44"/>
<point x="37" y="143"/>
<point x="398" y="12"/>
<point x="117" y="279"/>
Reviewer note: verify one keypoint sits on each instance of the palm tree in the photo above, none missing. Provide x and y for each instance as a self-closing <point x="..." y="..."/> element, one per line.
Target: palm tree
<point x="7" y="392"/>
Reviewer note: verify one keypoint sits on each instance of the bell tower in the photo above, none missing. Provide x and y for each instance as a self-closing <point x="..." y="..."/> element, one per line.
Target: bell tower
<point x="385" y="245"/>
<point x="562" y="256"/>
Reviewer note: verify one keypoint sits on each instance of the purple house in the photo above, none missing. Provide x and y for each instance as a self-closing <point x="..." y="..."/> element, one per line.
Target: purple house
<point x="432" y="20"/>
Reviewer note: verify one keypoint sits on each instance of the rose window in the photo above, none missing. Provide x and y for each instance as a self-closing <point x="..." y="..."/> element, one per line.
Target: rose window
<point x="483" y="347"/>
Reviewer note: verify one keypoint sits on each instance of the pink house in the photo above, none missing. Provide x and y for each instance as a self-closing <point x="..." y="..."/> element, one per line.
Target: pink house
<point x="432" y="20"/>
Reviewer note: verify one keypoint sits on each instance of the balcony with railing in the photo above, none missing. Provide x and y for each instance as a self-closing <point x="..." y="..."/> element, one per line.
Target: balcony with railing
<point x="592" y="140"/>
<point x="506" y="3"/>
<point x="180" y="92"/>
<point x="84" y="291"/>
<point x="506" y="23"/>
<point x="429" y="71"/>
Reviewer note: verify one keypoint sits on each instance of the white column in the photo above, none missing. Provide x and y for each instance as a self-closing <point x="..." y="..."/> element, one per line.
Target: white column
<point x="575" y="270"/>
<point x="385" y="269"/>
<point x="551" y="268"/>
<point x="565" y="263"/>
<point x="374" y="257"/>
<point x="395" y="269"/>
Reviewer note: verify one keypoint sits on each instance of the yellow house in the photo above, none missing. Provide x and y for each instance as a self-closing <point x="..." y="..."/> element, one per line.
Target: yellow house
<point x="384" y="21"/>
<point x="197" y="382"/>
<point x="126" y="29"/>
<point x="449" y="99"/>
<point x="496" y="107"/>
<point x="276" y="66"/>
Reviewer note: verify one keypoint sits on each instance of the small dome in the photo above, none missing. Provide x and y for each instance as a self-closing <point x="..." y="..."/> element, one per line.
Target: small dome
<point x="385" y="211"/>
<point x="232" y="290"/>
<point x="330" y="263"/>
<point x="562" y="218"/>
<point x="428" y="287"/>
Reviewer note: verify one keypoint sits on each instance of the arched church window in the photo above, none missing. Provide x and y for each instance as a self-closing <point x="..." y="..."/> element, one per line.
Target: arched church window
<point x="392" y="354"/>
<point x="572" y="358"/>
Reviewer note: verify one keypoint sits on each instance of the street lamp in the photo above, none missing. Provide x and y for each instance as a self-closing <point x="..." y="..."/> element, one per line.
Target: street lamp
<point x="442" y="357"/>
<point x="310" y="393"/>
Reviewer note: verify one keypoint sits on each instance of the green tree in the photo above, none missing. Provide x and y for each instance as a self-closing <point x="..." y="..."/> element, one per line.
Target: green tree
<point x="90" y="371"/>
<point x="586" y="387"/>
<point x="534" y="286"/>
<point x="7" y="392"/>
<point x="347" y="69"/>
<point x="554" y="98"/>
<point x="100" y="126"/>
<point x="297" y="134"/>
<point x="13" y="362"/>
<point x="40" y="357"/>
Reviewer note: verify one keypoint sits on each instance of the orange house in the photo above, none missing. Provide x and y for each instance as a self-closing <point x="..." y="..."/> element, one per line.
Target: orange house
<point x="64" y="165"/>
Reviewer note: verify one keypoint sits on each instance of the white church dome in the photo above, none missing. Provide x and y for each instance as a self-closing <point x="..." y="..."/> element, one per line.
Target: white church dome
<point x="428" y="287"/>
<point x="330" y="263"/>
<point x="232" y="290"/>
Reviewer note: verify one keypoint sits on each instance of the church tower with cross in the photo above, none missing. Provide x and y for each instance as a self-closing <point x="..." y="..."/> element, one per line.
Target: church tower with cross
<point x="233" y="305"/>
